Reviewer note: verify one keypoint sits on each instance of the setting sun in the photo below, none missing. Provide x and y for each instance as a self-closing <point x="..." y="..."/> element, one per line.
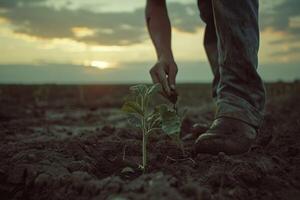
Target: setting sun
<point x="99" y="64"/>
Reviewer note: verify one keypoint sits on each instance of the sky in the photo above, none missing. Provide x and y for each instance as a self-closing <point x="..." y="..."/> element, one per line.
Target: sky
<point x="104" y="41"/>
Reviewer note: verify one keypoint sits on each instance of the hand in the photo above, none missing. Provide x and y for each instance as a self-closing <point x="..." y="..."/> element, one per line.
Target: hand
<point x="164" y="73"/>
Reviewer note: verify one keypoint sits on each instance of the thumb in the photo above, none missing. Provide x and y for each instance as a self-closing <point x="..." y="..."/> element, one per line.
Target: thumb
<point x="172" y="76"/>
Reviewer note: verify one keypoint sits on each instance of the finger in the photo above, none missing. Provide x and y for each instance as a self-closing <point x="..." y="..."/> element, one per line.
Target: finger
<point x="154" y="76"/>
<point x="155" y="79"/>
<point x="163" y="94"/>
<point x="162" y="77"/>
<point x="172" y="76"/>
<point x="173" y="97"/>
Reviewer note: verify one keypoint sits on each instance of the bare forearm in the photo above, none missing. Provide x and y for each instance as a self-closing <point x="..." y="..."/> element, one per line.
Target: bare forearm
<point x="159" y="28"/>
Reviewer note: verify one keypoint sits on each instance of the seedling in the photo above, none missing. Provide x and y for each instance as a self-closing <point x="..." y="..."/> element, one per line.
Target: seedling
<point x="150" y="118"/>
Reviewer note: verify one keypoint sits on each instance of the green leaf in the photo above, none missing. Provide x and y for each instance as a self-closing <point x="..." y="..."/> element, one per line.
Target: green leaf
<point x="153" y="89"/>
<point x="134" y="121"/>
<point x="171" y="123"/>
<point x="132" y="107"/>
<point x="154" y="119"/>
<point x="140" y="89"/>
<point x="156" y="122"/>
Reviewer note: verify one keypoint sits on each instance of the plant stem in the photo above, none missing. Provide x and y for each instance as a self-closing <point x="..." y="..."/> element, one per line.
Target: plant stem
<point x="144" y="150"/>
<point x="144" y="130"/>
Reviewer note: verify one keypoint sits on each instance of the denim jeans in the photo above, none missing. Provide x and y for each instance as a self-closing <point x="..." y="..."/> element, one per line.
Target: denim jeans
<point x="231" y="43"/>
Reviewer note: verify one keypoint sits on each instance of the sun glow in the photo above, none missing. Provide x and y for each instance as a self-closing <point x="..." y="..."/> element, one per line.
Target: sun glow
<point x="98" y="64"/>
<point x="81" y="32"/>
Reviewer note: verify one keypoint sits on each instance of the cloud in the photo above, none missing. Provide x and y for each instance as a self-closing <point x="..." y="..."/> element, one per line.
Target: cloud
<point x="14" y="3"/>
<point x="35" y="18"/>
<point x="279" y="19"/>
<point x="47" y="22"/>
<point x="185" y="17"/>
<point x="287" y="52"/>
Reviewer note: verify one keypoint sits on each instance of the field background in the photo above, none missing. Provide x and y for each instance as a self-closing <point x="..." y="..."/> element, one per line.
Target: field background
<point x="73" y="142"/>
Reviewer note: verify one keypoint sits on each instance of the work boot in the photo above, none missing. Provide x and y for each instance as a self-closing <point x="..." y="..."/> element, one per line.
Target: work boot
<point x="228" y="135"/>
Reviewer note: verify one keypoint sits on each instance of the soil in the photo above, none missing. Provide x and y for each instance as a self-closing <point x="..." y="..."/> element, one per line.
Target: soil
<point x="73" y="142"/>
